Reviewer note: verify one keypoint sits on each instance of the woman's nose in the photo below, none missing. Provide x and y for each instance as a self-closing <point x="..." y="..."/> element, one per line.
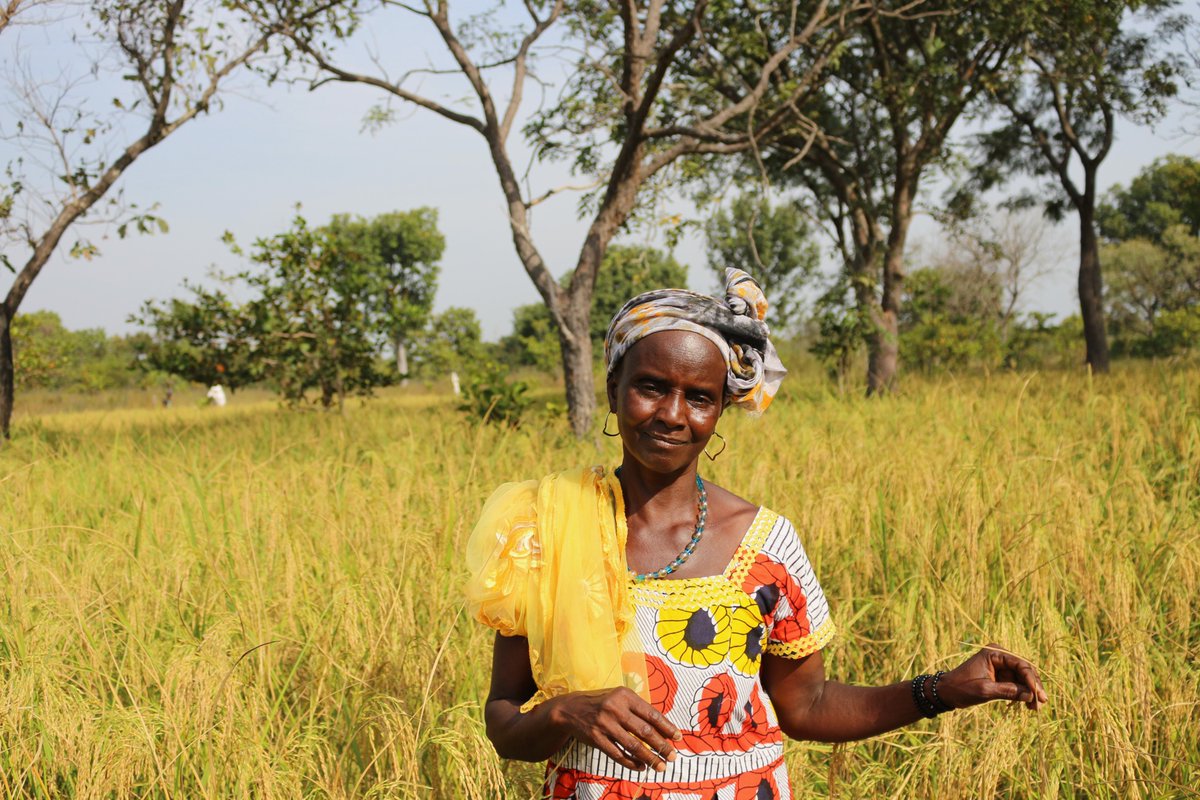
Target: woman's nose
<point x="671" y="410"/>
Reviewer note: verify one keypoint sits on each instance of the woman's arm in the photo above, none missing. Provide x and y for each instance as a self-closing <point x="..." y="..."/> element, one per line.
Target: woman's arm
<point x="810" y="707"/>
<point x="618" y="722"/>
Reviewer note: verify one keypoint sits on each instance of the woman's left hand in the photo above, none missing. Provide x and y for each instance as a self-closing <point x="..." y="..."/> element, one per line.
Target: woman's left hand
<point x="993" y="673"/>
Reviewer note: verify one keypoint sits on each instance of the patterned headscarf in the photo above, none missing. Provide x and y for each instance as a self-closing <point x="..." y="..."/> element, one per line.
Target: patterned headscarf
<point x="735" y="326"/>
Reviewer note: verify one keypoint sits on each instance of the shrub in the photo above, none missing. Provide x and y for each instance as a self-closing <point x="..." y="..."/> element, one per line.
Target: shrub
<point x="491" y="397"/>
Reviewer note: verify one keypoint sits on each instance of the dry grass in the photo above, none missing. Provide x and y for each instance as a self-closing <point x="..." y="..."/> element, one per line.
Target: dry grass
<point x="259" y="603"/>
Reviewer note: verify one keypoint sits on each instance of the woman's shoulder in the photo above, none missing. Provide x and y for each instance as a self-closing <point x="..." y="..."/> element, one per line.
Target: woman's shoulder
<point x="778" y="537"/>
<point x="728" y="504"/>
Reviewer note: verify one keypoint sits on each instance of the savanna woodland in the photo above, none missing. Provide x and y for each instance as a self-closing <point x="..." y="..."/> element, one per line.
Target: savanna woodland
<point x="232" y="526"/>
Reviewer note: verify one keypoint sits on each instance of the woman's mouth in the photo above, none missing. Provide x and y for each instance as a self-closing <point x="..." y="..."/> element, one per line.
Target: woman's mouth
<point x="664" y="440"/>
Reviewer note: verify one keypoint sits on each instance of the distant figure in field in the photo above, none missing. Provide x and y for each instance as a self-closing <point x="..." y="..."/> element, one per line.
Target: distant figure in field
<point x="216" y="395"/>
<point x="168" y="394"/>
<point x="656" y="634"/>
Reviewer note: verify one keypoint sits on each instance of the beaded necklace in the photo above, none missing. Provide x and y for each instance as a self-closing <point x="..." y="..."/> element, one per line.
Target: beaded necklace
<point x="686" y="553"/>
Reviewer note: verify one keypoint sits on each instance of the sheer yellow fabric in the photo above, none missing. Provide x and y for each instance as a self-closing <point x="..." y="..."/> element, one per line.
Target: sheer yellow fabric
<point x="547" y="562"/>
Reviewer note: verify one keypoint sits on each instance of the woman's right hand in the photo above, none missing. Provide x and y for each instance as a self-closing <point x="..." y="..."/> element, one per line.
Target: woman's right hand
<point x="619" y="723"/>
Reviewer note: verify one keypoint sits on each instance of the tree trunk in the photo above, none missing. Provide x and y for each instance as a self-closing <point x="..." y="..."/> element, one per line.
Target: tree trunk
<point x="862" y="275"/>
<point x="577" y="369"/>
<point x="401" y="360"/>
<point x="1091" y="294"/>
<point x="884" y="342"/>
<point x="6" y="372"/>
<point x="883" y="352"/>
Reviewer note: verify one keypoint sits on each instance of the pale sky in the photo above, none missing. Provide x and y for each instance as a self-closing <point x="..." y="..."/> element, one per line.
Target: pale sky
<point x="244" y="168"/>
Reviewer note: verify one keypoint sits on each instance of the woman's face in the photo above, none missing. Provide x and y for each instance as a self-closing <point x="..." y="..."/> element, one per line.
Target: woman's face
<point x="667" y="394"/>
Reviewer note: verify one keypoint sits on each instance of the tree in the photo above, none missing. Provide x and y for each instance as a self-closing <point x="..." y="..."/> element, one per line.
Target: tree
<point x="629" y="109"/>
<point x="946" y="323"/>
<point x="45" y="347"/>
<point x="452" y="342"/>
<point x="879" y="126"/>
<point x="1164" y="194"/>
<point x="1149" y="278"/>
<point x="176" y="58"/>
<point x="17" y="12"/>
<point x="1152" y="253"/>
<point x="534" y="340"/>
<point x="401" y="252"/>
<point x="991" y="260"/>
<point x="1085" y="63"/>
<point x="314" y="321"/>
<point x="207" y="339"/>
<point x="772" y="242"/>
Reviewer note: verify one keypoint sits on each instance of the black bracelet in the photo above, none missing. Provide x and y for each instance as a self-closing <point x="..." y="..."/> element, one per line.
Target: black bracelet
<point x="939" y="704"/>
<point x="918" y="694"/>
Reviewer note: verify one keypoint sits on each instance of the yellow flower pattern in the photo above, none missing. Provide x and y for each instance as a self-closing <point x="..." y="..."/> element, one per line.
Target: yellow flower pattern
<point x="696" y="637"/>
<point x="746" y="639"/>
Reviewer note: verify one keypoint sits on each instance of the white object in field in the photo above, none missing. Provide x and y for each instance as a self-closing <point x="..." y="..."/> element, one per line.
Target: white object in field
<point x="454" y="383"/>
<point x="217" y="395"/>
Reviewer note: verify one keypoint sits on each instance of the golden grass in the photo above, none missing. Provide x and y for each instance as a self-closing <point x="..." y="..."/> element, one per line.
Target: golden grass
<point x="261" y="603"/>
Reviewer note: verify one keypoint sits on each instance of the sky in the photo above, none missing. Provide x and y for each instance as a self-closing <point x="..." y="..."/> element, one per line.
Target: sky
<point x="244" y="169"/>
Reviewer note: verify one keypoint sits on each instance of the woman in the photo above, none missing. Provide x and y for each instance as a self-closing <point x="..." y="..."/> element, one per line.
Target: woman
<point x="657" y="635"/>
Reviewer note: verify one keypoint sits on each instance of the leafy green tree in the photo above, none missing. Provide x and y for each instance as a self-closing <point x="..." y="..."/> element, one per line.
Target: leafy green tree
<point x="400" y="252"/>
<point x="1085" y="64"/>
<point x="1176" y="331"/>
<point x="53" y="357"/>
<point x="75" y="145"/>
<point x="1151" y="255"/>
<point x="491" y="395"/>
<point x="841" y="329"/>
<point x="44" y="347"/>
<point x="206" y="339"/>
<point x="1147" y="278"/>
<point x="533" y="341"/>
<point x="947" y="324"/>
<point x="774" y="243"/>
<point x="316" y="319"/>
<point x="1162" y="196"/>
<point x="313" y="322"/>
<point x="452" y="342"/>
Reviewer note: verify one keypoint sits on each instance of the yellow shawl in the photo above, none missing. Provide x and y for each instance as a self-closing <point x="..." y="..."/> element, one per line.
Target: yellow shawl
<point x="547" y="562"/>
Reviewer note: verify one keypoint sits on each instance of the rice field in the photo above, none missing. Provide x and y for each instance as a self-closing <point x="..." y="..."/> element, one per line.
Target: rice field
<point x="251" y="602"/>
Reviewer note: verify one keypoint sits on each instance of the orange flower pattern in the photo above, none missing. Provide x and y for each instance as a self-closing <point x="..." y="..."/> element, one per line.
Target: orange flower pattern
<point x="704" y="640"/>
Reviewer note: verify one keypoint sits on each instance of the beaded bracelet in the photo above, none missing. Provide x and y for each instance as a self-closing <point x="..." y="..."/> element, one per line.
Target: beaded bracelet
<point x="939" y="705"/>
<point x="922" y="702"/>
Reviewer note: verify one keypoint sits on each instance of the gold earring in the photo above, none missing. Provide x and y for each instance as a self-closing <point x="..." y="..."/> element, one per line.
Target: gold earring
<point x="605" y="430"/>
<point x="722" y="450"/>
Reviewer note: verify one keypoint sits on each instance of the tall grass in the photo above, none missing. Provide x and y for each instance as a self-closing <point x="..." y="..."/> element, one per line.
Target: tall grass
<point x="260" y="603"/>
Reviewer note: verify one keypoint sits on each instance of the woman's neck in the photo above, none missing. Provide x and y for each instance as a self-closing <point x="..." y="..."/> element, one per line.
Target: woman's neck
<point x="654" y="494"/>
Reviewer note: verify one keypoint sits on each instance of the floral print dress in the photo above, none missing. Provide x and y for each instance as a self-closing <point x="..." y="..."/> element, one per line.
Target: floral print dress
<point x="704" y="639"/>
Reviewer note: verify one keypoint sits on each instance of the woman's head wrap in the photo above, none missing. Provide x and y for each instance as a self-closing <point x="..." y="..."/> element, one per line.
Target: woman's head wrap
<point x="735" y="326"/>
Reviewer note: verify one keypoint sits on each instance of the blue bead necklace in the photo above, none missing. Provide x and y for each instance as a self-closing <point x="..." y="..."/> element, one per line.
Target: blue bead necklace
<point x="686" y="553"/>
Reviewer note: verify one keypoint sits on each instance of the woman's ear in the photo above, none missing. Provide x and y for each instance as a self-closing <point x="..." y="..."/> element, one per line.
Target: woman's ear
<point x="610" y="385"/>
